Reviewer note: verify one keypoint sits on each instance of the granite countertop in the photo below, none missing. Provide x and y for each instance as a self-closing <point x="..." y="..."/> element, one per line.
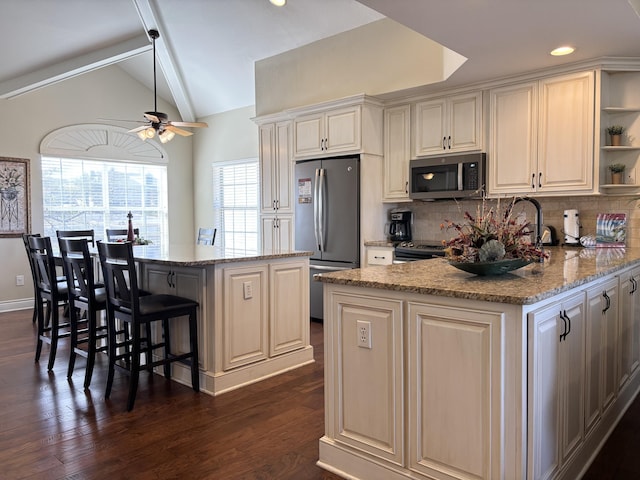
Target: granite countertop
<point x="203" y="255"/>
<point x="565" y="269"/>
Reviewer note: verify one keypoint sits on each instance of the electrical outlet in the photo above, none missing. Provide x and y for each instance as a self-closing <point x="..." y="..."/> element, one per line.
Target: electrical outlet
<point x="364" y="334"/>
<point x="630" y="178"/>
<point x="19" y="280"/>
<point x="247" y="290"/>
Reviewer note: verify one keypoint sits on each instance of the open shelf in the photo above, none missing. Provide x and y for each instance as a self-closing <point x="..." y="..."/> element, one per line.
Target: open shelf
<point x="621" y="189"/>
<point x="621" y="109"/>
<point x="620" y="148"/>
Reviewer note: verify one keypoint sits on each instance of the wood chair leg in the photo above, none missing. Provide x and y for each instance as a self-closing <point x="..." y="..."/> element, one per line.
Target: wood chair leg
<point x="73" y="344"/>
<point x="193" y="341"/>
<point x="135" y="371"/>
<point x="40" y="320"/>
<point x="91" y="347"/>
<point x="55" y="324"/>
<point x="166" y="334"/>
<point x="111" y="349"/>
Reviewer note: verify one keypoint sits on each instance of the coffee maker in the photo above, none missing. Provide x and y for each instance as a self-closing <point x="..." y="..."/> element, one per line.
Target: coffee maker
<point x="400" y="226"/>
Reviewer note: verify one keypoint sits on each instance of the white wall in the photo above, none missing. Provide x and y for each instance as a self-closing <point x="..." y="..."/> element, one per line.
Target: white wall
<point x="231" y="136"/>
<point x="377" y="58"/>
<point x="105" y="93"/>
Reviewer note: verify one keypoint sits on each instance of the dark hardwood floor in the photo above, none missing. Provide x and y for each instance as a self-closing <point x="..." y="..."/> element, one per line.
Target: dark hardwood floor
<point x="50" y="428"/>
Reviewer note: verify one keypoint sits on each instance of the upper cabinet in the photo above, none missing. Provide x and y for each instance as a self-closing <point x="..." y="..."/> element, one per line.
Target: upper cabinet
<point x="448" y="125"/>
<point x="335" y="129"/>
<point x="620" y="101"/>
<point x="397" y="144"/>
<point x="541" y="136"/>
<point x="276" y="170"/>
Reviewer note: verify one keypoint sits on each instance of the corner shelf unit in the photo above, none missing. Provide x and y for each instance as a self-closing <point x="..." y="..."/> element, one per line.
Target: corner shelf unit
<point x="620" y="106"/>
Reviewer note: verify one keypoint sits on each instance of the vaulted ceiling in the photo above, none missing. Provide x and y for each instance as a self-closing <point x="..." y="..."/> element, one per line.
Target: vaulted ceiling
<point x="207" y="48"/>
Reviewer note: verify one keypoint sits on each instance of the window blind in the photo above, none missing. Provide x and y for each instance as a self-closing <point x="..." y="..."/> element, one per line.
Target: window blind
<point x="235" y="204"/>
<point x="84" y="194"/>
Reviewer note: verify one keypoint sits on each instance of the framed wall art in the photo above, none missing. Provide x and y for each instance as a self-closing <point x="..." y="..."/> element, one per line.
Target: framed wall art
<point x="14" y="197"/>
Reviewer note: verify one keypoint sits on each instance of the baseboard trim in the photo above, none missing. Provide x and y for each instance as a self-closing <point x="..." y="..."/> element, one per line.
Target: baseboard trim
<point x="13" y="305"/>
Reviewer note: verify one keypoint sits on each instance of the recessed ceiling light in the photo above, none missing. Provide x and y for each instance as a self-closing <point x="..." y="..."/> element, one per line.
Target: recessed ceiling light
<point x="562" y="51"/>
<point x="278" y="3"/>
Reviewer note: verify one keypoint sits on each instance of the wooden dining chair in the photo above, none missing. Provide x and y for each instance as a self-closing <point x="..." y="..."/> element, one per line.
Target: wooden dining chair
<point x="125" y="303"/>
<point x="119" y="234"/>
<point x="206" y="236"/>
<point x="50" y="291"/>
<point x="84" y="296"/>
<point x="88" y="234"/>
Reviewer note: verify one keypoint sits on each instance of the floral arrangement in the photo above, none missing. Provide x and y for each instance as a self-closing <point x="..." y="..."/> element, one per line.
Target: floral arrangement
<point x="492" y="234"/>
<point x="10" y="177"/>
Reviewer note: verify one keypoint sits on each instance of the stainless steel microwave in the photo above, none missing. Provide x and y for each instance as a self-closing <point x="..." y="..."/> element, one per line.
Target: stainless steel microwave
<point x="453" y="176"/>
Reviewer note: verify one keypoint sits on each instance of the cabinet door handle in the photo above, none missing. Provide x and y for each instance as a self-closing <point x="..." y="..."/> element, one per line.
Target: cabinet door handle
<point x="406" y="187"/>
<point x="379" y="258"/>
<point x="634" y="286"/>
<point x="449" y="142"/>
<point x="540" y="180"/>
<point x="273" y="204"/>
<point x="444" y="143"/>
<point x="533" y="180"/>
<point x="564" y="330"/>
<point x="608" y="300"/>
<point x="568" y="322"/>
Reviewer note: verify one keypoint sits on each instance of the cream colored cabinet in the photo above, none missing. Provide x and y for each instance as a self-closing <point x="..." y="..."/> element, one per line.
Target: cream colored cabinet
<point x="265" y="311"/>
<point x="379" y="256"/>
<point x="620" y="103"/>
<point x="335" y="131"/>
<point x="601" y="350"/>
<point x="449" y="124"/>
<point x="541" y="139"/>
<point x="629" y="326"/>
<point x="397" y="145"/>
<point x="346" y="126"/>
<point x="365" y="393"/>
<point x="276" y="169"/>
<point x="184" y="282"/>
<point x="277" y="233"/>
<point x="288" y="320"/>
<point x="454" y="412"/>
<point x="556" y="376"/>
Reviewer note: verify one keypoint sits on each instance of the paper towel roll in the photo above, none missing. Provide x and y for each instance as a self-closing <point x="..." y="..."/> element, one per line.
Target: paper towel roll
<point x="571" y="227"/>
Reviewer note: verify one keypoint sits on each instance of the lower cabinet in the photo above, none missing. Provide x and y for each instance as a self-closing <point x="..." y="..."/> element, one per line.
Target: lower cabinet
<point x="629" y="326"/>
<point x="265" y="311"/>
<point x="601" y="350"/>
<point x="454" y="369"/>
<point x="556" y="379"/>
<point x="277" y="232"/>
<point x="184" y="282"/>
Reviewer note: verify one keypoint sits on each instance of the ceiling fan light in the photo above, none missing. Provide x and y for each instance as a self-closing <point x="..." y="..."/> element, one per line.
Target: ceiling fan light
<point x="278" y="3"/>
<point x="166" y="136"/>
<point x="565" y="50"/>
<point x="149" y="132"/>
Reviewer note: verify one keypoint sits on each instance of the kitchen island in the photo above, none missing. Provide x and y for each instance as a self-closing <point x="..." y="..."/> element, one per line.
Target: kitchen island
<point x="253" y="320"/>
<point x="431" y="372"/>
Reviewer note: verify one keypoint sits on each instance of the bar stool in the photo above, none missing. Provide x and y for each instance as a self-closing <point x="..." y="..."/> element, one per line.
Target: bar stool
<point x="125" y="303"/>
<point x="49" y="290"/>
<point x="84" y="295"/>
<point x="119" y="234"/>
<point x="206" y="236"/>
<point x="88" y="234"/>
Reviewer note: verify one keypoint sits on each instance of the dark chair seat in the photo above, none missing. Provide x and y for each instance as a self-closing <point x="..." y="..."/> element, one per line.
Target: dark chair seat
<point x="126" y="303"/>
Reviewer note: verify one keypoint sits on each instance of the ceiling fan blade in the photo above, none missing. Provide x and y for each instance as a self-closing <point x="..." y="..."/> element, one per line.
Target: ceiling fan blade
<point x="177" y="130"/>
<point x="189" y="124"/>
<point x="151" y="118"/>
<point x="121" y="120"/>
<point x="138" y="129"/>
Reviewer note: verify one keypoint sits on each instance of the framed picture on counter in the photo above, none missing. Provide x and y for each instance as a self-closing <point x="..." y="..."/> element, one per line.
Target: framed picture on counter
<point x="14" y="197"/>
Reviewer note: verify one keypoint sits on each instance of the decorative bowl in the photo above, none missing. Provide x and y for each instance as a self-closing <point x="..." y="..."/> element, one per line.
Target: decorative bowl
<point x="492" y="268"/>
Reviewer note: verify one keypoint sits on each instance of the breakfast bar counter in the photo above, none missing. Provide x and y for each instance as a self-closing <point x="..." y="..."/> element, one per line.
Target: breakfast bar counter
<point x="253" y="319"/>
<point x="435" y="373"/>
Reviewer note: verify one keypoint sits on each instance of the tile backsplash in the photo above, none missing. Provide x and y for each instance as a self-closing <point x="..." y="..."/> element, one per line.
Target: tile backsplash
<point x="428" y="216"/>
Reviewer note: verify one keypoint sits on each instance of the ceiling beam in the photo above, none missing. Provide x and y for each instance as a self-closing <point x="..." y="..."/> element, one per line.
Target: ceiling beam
<point x="151" y="21"/>
<point x="73" y="67"/>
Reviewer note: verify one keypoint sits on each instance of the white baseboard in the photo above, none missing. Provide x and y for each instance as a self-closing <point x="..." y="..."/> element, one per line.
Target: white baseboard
<point x="19" y="304"/>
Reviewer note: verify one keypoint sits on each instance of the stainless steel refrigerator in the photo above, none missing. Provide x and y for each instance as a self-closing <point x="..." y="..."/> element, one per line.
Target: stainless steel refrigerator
<point x="327" y="218"/>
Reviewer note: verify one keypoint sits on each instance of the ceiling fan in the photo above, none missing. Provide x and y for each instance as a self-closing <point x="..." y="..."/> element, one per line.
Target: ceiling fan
<point x="158" y="122"/>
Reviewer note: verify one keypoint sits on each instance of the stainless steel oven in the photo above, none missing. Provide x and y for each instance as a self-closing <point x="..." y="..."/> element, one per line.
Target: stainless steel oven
<point x="410" y="252"/>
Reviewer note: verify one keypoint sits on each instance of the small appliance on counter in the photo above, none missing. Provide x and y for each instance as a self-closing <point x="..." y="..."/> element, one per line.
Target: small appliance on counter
<point x="400" y="226"/>
<point x="571" y="228"/>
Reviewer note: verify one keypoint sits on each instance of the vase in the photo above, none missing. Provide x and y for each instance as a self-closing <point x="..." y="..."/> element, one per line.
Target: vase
<point x="617" y="178"/>
<point x="9" y="194"/>
<point x="616" y="140"/>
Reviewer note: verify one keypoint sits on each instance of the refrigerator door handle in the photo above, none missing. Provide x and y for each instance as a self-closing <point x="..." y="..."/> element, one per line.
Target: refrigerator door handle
<point x="316" y="207"/>
<point x="321" y="199"/>
<point x="328" y="269"/>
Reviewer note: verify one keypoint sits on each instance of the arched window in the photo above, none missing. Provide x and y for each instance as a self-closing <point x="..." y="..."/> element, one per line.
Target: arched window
<point x="93" y="175"/>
